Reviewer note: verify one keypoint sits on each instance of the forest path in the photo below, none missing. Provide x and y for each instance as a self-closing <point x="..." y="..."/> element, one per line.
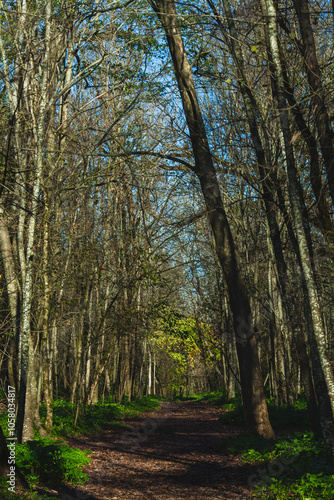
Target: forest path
<point x="169" y="454"/>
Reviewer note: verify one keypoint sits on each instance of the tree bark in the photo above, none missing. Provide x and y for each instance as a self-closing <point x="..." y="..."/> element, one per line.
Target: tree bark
<point x="25" y="430"/>
<point x="296" y="202"/>
<point x="254" y="402"/>
<point x="254" y="119"/>
<point x="9" y="267"/>
<point x="313" y="72"/>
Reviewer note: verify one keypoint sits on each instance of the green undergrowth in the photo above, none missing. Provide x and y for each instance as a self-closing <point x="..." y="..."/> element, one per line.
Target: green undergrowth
<point x="307" y="487"/>
<point x="191" y="397"/>
<point x="95" y="416"/>
<point x="295" y="466"/>
<point x="29" y="495"/>
<point x="281" y="417"/>
<point x="216" y="398"/>
<point x="50" y="460"/>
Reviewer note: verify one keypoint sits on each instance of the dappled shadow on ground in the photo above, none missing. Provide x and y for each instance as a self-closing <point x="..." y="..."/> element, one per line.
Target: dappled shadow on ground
<point x="170" y="454"/>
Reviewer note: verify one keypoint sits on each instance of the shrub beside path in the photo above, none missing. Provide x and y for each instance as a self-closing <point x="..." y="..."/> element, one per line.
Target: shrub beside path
<point x="170" y="454"/>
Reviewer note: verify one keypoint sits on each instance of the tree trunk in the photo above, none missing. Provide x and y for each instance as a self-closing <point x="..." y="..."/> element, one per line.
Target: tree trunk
<point x="296" y="202"/>
<point x="313" y="72"/>
<point x="253" y="116"/>
<point x="254" y="402"/>
<point x="9" y="267"/>
<point x="25" y="430"/>
<point x="45" y="348"/>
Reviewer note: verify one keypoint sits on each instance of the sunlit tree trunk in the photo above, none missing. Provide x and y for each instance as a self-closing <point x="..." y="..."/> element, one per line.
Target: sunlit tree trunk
<point x="25" y="430"/>
<point x="45" y="342"/>
<point x="253" y="114"/>
<point x="296" y="203"/>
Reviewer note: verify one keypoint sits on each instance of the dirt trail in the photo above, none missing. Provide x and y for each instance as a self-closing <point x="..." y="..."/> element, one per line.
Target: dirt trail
<point x="168" y="454"/>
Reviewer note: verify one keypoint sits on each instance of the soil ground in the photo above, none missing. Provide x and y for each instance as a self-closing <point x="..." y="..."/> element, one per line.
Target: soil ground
<point x="170" y="454"/>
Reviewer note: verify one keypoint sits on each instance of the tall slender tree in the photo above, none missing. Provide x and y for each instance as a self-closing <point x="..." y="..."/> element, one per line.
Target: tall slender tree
<point x="255" y="406"/>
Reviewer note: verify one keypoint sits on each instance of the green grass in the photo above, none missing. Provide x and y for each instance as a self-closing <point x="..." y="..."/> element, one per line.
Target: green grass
<point x="282" y="418"/>
<point x="48" y="461"/>
<point x="96" y="416"/>
<point x="51" y="460"/>
<point x="31" y="495"/>
<point x="294" y="466"/>
<point x="146" y="404"/>
<point x="308" y="487"/>
<point x="216" y="398"/>
<point x="245" y="442"/>
<point x="190" y="397"/>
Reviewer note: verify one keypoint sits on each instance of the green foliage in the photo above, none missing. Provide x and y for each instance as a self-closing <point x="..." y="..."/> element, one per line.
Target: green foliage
<point x="4" y="421"/>
<point x="95" y="416"/>
<point x="295" y="466"/>
<point x="251" y="446"/>
<point x="309" y="487"/>
<point x="51" y="460"/>
<point x="216" y="398"/>
<point x="177" y="344"/>
<point x="233" y="413"/>
<point x="191" y="397"/>
<point x="31" y="495"/>
<point x="300" y="445"/>
<point x="299" y="459"/>
<point x="133" y="408"/>
<point x="285" y="417"/>
<point x="281" y="417"/>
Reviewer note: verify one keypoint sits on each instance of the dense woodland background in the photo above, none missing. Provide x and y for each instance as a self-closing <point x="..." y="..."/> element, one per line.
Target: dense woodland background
<point x="166" y="210"/>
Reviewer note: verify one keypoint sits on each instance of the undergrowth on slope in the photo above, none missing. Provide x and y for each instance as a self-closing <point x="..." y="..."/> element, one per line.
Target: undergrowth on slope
<point x="28" y="495"/>
<point x="295" y="466"/>
<point x="281" y="417"/>
<point x="51" y="460"/>
<point x="216" y="397"/>
<point x="95" y="416"/>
